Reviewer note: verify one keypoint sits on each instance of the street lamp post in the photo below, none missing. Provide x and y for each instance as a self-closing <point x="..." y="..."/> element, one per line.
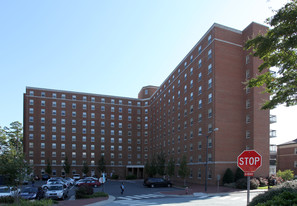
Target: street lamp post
<point x="206" y="157"/>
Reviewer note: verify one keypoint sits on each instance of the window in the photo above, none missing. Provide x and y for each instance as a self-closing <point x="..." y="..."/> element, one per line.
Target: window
<point x="199" y="50"/>
<point x="112" y="101"/>
<point x="200" y="117"/>
<point x="200" y="131"/>
<point x="247" y="104"/>
<point x="247" y="74"/>
<point x="209" y="68"/>
<point x="73" y="130"/>
<point x="247" y="134"/>
<point x="62" y="146"/>
<point x="102" y="116"/>
<point x="31" y="93"/>
<point x="63" y="96"/>
<point x="210" y="98"/>
<point x="199" y="63"/>
<point x="247" y="118"/>
<point x="31" y="111"/>
<point x="102" y="100"/>
<point x="63" y="105"/>
<point x="209" y="39"/>
<point x="54" y="145"/>
<point x="200" y="90"/>
<point x="73" y="114"/>
<point x="43" y="94"/>
<point x="199" y="145"/>
<point x="73" y="105"/>
<point x="210" y="128"/>
<point x="209" y="113"/>
<point x="92" y="115"/>
<point x="92" y="107"/>
<point x="92" y="99"/>
<point x="200" y="104"/>
<point x="199" y="77"/>
<point x="209" y="83"/>
<point x="84" y="98"/>
<point x="42" y="145"/>
<point x="209" y="143"/>
<point x="54" y="112"/>
<point x="209" y="54"/>
<point x="31" y="102"/>
<point x="247" y="59"/>
<point x="73" y="97"/>
<point x="73" y="146"/>
<point x="84" y="115"/>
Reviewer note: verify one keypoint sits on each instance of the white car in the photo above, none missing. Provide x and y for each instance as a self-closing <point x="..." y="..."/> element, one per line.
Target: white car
<point x="76" y="177"/>
<point x="57" y="191"/>
<point x="8" y="191"/>
<point x="69" y="180"/>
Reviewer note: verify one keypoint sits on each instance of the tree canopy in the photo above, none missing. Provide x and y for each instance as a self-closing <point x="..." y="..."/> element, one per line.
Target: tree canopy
<point x="278" y="50"/>
<point x="12" y="161"/>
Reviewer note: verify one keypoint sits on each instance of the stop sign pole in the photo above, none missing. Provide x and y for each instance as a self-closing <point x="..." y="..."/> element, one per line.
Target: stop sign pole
<point x="249" y="161"/>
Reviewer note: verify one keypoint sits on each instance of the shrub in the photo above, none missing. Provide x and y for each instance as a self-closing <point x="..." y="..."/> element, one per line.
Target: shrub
<point x="228" y="176"/>
<point x="286" y="174"/>
<point x="242" y="183"/>
<point x="6" y="199"/>
<point x="83" y="191"/>
<point x="131" y="177"/>
<point x="274" y="180"/>
<point x="288" y="184"/>
<point x="269" y="195"/>
<point x="263" y="182"/>
<point x="114" y="177"/>
<point x="45" y="202"/>
<point x="239" y="174"/>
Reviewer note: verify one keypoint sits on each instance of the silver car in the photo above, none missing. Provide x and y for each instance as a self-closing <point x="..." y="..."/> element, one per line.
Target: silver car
<point x="56" y="191"/>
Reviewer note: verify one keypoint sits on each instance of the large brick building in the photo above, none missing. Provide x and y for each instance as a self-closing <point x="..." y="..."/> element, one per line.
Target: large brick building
<point x="287" y="156"/>
<point x="205" y="91"/>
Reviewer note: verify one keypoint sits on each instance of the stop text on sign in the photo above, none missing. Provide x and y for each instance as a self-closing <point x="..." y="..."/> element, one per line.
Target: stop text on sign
<point x="249" y="160"/>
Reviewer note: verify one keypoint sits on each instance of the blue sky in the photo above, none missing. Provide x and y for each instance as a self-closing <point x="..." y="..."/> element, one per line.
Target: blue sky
<point x="112" y="47"/>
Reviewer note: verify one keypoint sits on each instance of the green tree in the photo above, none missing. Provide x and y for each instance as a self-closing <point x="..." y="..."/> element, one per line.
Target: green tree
<point x="12" y="161"/>
<point x="228" y="176"/>
<point x="277" y="49"/>
<point x="85" y="168"/>
<point x="101" y="165"/>
<point x="285" y="175"/>
<point x="66" y="166"/>
<point x="239" y="174"/>
<point x="161" y="159"/>
<point x="171" y="167"/>
<point x="183" y="170"/>
<point x="150" y="168"/>
<point x="48" y="168"/>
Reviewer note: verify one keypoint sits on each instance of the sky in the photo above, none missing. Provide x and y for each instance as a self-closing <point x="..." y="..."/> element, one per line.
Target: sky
<point x="112" y="47"/>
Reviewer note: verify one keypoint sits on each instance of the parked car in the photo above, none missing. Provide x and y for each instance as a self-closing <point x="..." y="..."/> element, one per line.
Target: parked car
<point x="54" y="182"/>
<point x="76" y="177"/>
<point x="56" y="191"/>
<point x="45" y="177"/>
<point x="91" y="178"/>
<point x="31" y="193"/>
<point x="157" y="182"/>
<point x="92" y="183"/>
<point x="8" y="191"/>
<point x="69" y="180"/>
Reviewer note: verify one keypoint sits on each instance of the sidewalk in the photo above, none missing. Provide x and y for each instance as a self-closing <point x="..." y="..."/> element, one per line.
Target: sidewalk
<point x="90" y="202"/>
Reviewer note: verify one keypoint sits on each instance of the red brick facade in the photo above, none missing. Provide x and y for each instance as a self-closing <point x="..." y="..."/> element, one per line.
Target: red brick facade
<point x="205" y="91"/>
<point x="287" y="156"/>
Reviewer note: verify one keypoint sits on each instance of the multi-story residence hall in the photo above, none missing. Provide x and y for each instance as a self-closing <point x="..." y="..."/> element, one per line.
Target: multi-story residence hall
<point x="204" y="92"/>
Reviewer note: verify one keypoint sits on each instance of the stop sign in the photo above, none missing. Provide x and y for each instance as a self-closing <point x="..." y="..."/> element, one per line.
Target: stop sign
<point x="249" y="161"/>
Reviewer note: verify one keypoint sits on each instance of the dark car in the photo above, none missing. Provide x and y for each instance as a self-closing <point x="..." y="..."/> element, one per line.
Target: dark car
<point x="31" y="193"/>
<point x="90" y="182"/>
<point x="157" y="182"/>
<point x="45" y="177"/>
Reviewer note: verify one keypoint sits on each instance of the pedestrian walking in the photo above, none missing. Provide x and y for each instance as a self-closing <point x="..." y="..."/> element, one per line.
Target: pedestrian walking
<point x="122" y="188"/>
